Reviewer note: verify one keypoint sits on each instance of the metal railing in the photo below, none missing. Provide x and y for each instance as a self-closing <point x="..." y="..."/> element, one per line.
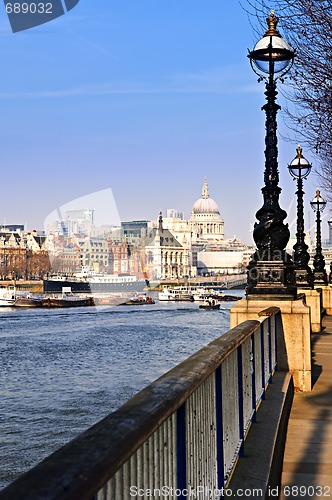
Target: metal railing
<point x="185" y="430"/>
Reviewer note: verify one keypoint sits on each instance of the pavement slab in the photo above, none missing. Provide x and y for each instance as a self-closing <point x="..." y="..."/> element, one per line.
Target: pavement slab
<point x="307" y="466"/>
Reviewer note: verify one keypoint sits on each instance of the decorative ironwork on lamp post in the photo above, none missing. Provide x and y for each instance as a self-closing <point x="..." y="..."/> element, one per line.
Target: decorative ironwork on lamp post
<point x="271" y="270"/>
<point x="299" y="169"/>
<point x="318" y="204"/>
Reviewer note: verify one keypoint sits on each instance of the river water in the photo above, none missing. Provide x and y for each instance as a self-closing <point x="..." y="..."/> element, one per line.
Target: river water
<point x="64" y="370"/>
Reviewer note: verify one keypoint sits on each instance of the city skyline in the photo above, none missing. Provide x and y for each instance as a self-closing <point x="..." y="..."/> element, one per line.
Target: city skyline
<point x="142" y="99"/>
<point x="106" y="214"/>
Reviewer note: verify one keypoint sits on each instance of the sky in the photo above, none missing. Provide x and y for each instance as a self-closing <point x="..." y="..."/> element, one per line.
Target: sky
<point x="142" y="98"/>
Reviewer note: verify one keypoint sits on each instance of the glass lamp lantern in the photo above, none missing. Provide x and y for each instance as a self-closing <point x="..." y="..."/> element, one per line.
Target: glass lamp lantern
<point x="299" y="168"/>
<point x="318" y="203"/>
<point x="272" y="54"/>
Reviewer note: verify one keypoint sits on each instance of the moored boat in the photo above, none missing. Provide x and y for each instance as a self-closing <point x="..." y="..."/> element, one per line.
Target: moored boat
<point x="65" y="300"/>
<point x="28" y="301"/>
<point x="218" y="295"/>
<point x="229" y="298"/>
<point x="175" y="294"/>
<point x="209" y="304"/>
<point x="204" y="293"/>
<point x="89" y="282"/>
<point x="7" y="296"/>
<point x="139" y="300"/>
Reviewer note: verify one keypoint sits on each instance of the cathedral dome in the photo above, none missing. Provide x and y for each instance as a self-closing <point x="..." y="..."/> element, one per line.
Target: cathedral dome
<point x="205" y="204"/>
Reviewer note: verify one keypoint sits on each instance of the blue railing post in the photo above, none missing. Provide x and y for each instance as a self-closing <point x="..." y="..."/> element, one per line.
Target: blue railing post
<point x="262" y="360"/>
<point x="269" y="333"/>
<point x="253" y="378"/>
<point x="219" y="430"/>
<point x="276" y="341"/>
<point x="240" y="389"/>
<point x="181" y="449"/>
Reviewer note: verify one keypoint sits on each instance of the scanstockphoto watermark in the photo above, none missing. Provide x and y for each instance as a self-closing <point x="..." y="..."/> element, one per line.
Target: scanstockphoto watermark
<point x="198" y="492"/>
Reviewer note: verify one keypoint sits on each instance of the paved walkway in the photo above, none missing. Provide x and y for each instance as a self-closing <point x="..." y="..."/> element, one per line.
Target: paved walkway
<point x="308" y="453"/>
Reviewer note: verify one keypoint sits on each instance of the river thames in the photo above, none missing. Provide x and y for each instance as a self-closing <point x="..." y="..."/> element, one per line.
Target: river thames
<point x="64" y="370"/>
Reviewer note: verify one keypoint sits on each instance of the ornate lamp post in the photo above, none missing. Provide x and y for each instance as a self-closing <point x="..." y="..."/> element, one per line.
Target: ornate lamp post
<point x="299" y="169"/>
<point x="320" y="277"/>
<point x="271" y="270"/>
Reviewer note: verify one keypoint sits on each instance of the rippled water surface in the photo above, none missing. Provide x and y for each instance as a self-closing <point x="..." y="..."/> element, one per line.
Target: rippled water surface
<point x="63" y="370"/>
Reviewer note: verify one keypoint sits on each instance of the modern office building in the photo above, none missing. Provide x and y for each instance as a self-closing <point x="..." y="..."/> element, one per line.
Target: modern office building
<point x="134" y="230"/>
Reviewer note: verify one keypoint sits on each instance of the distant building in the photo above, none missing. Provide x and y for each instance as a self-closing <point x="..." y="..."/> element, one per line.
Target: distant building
<point x="134" y="230"/>
<point x="64" y="253"/>
<point x="172" y="212"/>
<point x="36" y="242"/>
<point x="13" y="254"/>
<point x="118" y="257"/>
<point x="105" y="231"/>
<point x="230" y="258"/>
<point x="165" y="257"/>
<point x="181" y="230"/>
<point x="210" y="252"/>
<point x="80" y="215"/>
<point x="94" y="252"/>
<point x="78" y="222"/>
<point x="12" y="228"/>
<point x="55" y="227"/>
<point x="206" y="224"/>
<point x="199" y="242"/>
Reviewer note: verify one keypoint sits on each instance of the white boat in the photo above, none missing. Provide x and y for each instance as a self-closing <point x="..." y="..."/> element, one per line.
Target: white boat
<point x="88" y="281"/>
<point x="204" y="293"/>
<point x="67" y="300"/>
<point x="175" y="294"/>
<point x="209" y="304"/>
<point x="201" y="297"/>
<point x="7" y="296"/>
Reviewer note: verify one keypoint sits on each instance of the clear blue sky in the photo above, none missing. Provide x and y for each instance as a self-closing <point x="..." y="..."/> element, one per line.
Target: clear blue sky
<point x="144" y="97"/>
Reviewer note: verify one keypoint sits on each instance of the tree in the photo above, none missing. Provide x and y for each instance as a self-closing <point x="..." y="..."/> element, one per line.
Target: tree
<point x="307" y="26"/>
<point x="12" y="262"/>
<point x="38" y="264"/>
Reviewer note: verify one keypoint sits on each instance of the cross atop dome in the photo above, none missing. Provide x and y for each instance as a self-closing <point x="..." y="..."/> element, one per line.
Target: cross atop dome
<point x="205" y="190"/>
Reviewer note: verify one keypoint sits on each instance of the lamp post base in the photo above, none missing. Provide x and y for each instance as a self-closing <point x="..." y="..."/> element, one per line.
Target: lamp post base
<point x="273" y="279"/>
<point x="294" y="352"/>
<point x="303" y="278"/>
<point x="320" y="278"/>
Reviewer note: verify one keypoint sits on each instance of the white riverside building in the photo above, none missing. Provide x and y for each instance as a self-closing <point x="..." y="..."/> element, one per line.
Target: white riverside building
<point x="207" y="227"/>
<point x="199" y="246"/>
<point x="166" y="256"/>
<point x="230" y="258"/>
<point x="211" y="253"/>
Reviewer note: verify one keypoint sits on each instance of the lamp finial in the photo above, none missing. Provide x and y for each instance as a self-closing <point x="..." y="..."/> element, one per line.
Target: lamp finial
<point x="272" y="22"/>
<point x="299" y="151"/>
